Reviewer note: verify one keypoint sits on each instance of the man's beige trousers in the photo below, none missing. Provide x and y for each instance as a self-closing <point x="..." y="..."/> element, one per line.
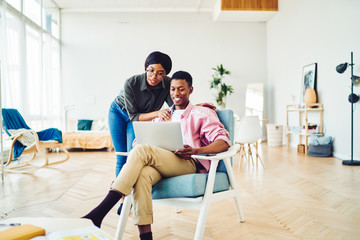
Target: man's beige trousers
<point x="145" y="166"/>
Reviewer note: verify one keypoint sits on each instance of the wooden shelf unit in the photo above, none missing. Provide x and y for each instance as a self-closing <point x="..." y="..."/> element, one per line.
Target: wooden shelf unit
<point x="316" y="107"/>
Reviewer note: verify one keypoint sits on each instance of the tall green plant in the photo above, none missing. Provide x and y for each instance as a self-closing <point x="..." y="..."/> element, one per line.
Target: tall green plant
<point x="218" y="84"/>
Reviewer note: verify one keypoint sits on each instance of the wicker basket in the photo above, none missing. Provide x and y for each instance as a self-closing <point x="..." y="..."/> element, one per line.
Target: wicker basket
<point x="274" y="135"/>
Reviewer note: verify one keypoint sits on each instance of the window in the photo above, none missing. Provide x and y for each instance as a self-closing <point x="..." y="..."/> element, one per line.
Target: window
<point x="15" y="3"/>
<point x="11" y="64"/>
<point x="33" y="66"/>
<point x="32" y="9"/>
<point x="51" y="18"/>
<point x="30" y="61"/>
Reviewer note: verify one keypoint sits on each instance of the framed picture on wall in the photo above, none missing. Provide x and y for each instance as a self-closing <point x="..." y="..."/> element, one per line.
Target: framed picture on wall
<point x="308" y="80"/>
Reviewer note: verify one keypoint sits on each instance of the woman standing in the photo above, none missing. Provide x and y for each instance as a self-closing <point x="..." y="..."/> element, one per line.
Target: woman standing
<point x="143" y="96"/>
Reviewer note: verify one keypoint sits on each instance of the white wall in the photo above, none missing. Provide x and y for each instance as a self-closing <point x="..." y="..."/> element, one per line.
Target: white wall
<point x="101" y="50"/>
<point x="324" y="32"/>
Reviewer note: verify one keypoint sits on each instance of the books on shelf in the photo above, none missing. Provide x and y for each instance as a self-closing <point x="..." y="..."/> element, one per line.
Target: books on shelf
<point x="312" y="129"/>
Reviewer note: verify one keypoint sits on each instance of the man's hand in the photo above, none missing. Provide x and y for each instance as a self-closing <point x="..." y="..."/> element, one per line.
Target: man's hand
<point x="164" y="115"/>
<point x="186" y="152"/>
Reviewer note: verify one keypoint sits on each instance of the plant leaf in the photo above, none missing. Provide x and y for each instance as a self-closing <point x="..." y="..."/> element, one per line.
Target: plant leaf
<point x="218" y="83"/>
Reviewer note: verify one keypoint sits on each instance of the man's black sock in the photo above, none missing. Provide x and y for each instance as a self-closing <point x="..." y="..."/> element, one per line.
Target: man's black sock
<point x="98" y="213"/>
<point x="146" y="236"/>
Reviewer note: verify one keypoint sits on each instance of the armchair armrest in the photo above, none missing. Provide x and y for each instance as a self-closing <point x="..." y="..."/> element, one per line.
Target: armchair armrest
<point x="20" y="134"/>
<point x="219" y="156"/>
<point x="225" y="156"/>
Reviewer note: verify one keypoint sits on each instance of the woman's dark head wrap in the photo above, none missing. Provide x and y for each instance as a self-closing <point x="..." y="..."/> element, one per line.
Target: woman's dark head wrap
<point x="159" y="58"/>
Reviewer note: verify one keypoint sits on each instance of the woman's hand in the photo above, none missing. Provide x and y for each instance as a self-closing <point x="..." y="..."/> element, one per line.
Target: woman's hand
<point x="209" y="105"/>
<point x="164" y="115"/>
<point x="186" y="152"/>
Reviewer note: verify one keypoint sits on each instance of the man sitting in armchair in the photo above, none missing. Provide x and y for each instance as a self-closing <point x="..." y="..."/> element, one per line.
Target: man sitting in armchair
<point x="146" y="165"/>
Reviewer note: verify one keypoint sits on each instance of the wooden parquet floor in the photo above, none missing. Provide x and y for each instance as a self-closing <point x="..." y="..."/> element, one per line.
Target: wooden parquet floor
<point x="295" y="197"/>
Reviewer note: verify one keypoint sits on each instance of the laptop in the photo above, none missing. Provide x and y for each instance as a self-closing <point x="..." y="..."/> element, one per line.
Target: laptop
<point x="167" y="135"/>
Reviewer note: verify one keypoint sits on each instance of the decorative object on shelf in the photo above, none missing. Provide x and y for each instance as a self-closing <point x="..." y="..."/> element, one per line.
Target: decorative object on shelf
<point x="310" y="96"/>
<point x="308" y="80"/>
<point x="312" y="129"/>
<point x="218" y="84"/>
<point x="353" y="98"/>
<point x="301" y="148"/>
<point x="295" y="129"/>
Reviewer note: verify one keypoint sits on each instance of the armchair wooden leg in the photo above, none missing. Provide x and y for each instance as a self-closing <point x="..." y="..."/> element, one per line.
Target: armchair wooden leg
<point x="201" y="224"/>
<point x="65" y="152"/>
<point x="33" y="156"/>
<point x="11" y="154"/>
<point x="250" y="154"/>
<point x="257" y="154"/>
<point x="13" y="169"/>
<point x="239" y="209"/>
<point x="235" y="187"/>
<point x="123" y="218"/>
<point x="242" y="151"/>
<point x="246" y="153"/>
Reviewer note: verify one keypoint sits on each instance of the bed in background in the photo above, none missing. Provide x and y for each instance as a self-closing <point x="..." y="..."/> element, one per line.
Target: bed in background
<point x="88" y="134"/>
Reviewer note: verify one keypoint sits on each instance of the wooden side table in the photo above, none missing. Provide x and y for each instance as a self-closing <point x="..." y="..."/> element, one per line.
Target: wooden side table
<point x="316" y="107"/>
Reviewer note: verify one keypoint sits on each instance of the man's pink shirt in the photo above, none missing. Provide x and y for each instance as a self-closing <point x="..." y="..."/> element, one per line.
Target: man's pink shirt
<point x="201" y="127"/>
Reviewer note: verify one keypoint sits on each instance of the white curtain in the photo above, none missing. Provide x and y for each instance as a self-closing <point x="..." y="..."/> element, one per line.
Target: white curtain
<point x="11" y="60"/>
<point x="30" y="58"/>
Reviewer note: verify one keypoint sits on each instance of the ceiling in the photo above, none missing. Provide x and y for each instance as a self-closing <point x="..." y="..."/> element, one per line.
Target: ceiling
<point x="137" y="5"/>
<point x="166" y="6"/>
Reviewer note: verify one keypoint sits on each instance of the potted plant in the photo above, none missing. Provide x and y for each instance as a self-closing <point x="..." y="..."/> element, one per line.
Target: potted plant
<point x="218" y="84"/>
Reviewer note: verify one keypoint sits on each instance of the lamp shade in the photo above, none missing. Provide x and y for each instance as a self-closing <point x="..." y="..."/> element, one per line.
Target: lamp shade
<point x="354" y="78"/>
<point x="341" y="67"/>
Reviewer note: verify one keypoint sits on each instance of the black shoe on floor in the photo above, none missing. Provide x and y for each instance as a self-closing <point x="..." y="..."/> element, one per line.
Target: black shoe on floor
<point x="119" y="209"/>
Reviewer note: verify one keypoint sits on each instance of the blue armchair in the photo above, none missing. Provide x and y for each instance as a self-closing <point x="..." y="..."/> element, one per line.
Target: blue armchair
<point x="197" y="190"/>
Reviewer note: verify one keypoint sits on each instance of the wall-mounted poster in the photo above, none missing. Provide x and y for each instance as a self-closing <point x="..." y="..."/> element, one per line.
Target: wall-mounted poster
<point x="308" y="80"/>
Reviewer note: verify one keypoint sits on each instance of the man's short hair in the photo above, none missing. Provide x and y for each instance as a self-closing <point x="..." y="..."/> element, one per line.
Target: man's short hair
<point x="183" y="75"/>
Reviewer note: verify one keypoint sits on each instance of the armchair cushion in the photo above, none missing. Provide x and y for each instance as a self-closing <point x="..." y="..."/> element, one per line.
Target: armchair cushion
<point x="189" y="185"/>
<point x="226" y="117"/>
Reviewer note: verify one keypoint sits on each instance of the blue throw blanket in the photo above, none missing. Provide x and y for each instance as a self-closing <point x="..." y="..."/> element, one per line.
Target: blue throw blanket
<point x="12" y="119"/>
